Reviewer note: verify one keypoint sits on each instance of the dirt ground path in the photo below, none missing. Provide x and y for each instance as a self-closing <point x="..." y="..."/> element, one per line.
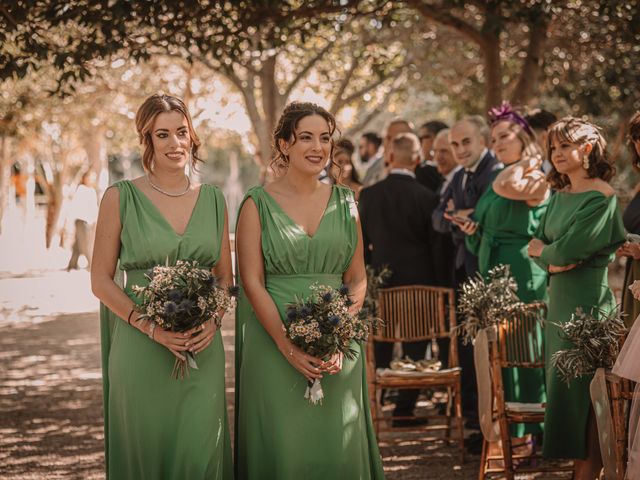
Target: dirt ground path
<point x="51" y="402"/>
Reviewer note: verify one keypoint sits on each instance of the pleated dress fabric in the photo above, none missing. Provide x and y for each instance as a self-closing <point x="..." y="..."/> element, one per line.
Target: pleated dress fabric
<point x="279" y="434"/>
<point x="157" y="427"/>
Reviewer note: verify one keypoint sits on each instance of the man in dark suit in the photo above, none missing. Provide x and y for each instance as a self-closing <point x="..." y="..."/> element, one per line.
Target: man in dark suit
<point x="427" y="172"/>
<point x="396" y="224"/>
<point x="468" y="139"/>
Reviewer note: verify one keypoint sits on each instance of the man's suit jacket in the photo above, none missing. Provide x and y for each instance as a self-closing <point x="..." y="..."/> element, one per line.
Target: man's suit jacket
<point x="376" y="171"/>
<point x="429" y="176"/>
<point x="396" y="225"/>
<point x="463" y="198"/>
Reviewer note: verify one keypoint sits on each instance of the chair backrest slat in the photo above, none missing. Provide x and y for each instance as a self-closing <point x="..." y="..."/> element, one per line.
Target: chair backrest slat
<point x="520" y="337"/>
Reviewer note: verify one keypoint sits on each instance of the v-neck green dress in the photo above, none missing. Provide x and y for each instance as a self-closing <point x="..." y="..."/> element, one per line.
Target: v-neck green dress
<point x="505" y="228"/>
<point x="279" y="434"/>
<point x="584" y="229"/>
<point x="157" y="427"/>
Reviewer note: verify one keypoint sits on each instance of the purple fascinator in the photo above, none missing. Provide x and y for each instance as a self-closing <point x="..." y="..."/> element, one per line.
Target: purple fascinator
<point x="506" y="112"/>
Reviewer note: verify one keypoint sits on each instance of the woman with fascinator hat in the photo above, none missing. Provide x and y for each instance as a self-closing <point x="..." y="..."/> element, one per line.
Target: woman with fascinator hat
<point x="576" y="240"/>
<point x="505" y="219"/>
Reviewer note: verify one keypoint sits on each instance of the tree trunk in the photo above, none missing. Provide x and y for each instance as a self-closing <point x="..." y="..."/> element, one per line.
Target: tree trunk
<point x="95" y="147"/>
<point x="5" y="165"/>
<point x="491" y="29"/>
<point x="532" y="66"/>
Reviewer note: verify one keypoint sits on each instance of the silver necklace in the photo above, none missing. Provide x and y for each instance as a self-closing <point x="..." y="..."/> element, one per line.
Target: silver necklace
<point x="169" y="194"/>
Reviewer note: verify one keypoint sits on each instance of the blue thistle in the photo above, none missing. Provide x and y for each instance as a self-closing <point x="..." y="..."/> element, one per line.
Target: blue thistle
<point x="344" y="290"/>
<point x="175" y="295"/>
<point x="305" y="311"/>
<point x="327" y="297"/>
<point x="292" y="314"/>
<point x="170" y="308"/>
<point x="334" y="320"/>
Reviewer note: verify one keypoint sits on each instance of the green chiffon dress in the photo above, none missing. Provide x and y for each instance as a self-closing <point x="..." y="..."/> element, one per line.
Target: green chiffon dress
<point x="157" y="427"/>
<point x="584" y="229"/>
<point x="505" y="229"/>
<point x="279" y="434"/>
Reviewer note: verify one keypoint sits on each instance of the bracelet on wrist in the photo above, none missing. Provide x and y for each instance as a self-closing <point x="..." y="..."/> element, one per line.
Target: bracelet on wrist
<point x="129" y="317"/>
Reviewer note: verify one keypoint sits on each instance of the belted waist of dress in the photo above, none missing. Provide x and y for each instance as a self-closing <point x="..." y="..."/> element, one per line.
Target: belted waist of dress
<point x="138" y="274"/>
<point x="311" y="277"/>
<point x="490" y="242"/>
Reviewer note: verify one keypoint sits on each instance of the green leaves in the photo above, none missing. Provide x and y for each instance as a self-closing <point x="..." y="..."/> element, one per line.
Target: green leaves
<point x="483" y="302"/>
<point x="596" y="336"/>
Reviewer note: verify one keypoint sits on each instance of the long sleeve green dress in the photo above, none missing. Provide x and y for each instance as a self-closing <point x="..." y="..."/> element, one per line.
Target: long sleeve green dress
<point x="279" y="434"/>
<point x="584" y="229"/>
<point x="157" y="427"/>
<point x="505" y="228"/>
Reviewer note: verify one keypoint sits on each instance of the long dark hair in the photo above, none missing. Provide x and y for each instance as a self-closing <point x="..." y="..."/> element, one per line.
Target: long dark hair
<point x="634" y="133"/>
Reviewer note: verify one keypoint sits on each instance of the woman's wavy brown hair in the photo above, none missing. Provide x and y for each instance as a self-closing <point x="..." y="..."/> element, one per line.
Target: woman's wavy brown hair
<point x="286" y="130"/>
<point x="145" y="118"/>
<point x="634" y="133"/>
<point x="577" y="131"/>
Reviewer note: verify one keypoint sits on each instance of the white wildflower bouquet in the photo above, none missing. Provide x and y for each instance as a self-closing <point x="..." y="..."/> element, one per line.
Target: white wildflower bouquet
<point x="322" y="326"/>
<point x="181" y="297"/>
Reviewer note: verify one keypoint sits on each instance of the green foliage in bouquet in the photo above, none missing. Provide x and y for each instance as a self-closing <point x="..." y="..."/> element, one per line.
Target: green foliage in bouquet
<point x="485" y="301"/>
<point x="597" y="339"/>
<point x="181" y="297"/>
<point x="375" y="281"/>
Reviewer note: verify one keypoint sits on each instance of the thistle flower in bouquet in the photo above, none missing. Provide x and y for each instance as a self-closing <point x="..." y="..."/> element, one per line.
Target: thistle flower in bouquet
<point x="322" y="326"/>
<point x="484" y="301"/>
<point x="596" y="337"/>
<point x="181" y="297"/>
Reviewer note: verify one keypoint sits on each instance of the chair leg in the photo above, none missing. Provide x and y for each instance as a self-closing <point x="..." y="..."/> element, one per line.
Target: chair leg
<point x="447" y="432"/>
<point x="458" y="403"/>
<point x="483" y="460"/>
<point x="507" y="453"/>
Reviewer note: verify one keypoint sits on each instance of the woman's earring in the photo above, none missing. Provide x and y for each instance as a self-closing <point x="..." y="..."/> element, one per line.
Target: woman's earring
<point x="585" y="162"/>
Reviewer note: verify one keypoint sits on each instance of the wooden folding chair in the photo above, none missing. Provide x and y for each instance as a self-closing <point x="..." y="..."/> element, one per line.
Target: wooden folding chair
<point x="518" y="344"/>
<point x="415" y="313"/>
<point x="620" y="391"/>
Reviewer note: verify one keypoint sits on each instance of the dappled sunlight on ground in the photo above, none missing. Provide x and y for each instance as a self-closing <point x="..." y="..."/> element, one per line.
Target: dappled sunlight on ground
<point x="51" y="423"/>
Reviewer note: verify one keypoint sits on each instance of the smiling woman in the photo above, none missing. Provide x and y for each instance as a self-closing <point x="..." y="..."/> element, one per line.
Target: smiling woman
<point x="156" y="219"/>
<point x="291" y="234"/>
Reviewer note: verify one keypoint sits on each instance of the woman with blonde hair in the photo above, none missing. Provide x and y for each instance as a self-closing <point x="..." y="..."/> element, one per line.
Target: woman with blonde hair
<point x="157" y="427"/>
<point x="576" y="240"/>
<point x="504" y="221"/>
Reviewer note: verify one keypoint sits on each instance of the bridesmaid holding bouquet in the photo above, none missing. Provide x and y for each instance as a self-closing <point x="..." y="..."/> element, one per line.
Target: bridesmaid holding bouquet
<point x="157" y="427"/>
<point x="293" y="233"/>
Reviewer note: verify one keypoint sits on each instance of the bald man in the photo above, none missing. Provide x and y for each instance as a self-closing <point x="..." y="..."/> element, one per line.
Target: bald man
<point x="396" y="225"/>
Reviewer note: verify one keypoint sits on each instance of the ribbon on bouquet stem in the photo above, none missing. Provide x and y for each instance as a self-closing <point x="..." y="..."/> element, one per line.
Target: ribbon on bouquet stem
<point x="314" y="392"/>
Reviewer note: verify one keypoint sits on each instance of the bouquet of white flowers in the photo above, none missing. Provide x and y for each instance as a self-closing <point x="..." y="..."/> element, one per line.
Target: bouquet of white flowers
<point x="181" y="297"/>
<point x="322" y="326"/>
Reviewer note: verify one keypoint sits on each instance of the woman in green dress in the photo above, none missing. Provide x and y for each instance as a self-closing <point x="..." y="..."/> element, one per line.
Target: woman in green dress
<point x="505" y="219"/>
<point x="293" y="233"/>
<point x="576" y="239"/>
<point x="157" y="427"/>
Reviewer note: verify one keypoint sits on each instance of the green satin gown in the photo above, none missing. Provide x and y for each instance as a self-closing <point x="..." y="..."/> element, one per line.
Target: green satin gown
<point x="279" y="434"/>
<point x="157" y="427"/>
<point x="584" y="229"/>
<point x="505" y="229"/>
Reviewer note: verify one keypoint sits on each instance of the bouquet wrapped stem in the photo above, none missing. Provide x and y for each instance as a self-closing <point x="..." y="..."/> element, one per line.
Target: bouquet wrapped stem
<point x="182" y="297"/>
